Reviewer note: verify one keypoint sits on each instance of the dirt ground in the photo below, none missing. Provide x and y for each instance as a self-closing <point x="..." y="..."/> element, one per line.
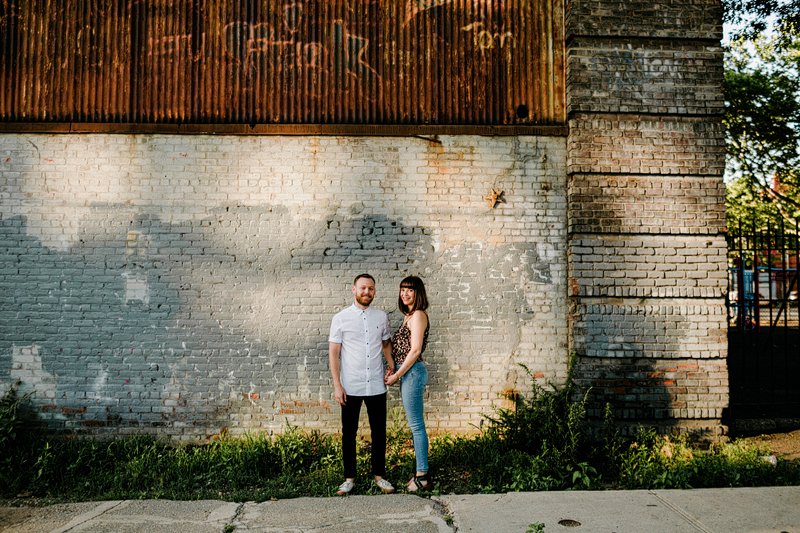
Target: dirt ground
<point x="781" y="445"/>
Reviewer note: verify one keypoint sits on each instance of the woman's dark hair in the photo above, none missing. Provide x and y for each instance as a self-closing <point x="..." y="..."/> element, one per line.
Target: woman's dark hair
<point x="421" y="298"/>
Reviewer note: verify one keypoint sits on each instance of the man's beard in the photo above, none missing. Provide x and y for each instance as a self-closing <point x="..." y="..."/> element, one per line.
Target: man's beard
<point x="364" y="299"/>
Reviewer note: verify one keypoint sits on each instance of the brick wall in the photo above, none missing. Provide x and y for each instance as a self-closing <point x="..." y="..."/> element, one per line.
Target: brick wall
<point x="647" y="259"/>
<point x="185" y="284"/>
<point x="631" y="204"/>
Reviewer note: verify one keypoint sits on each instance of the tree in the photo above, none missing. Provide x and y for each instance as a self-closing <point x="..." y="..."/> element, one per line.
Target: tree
<point x="762" y="114"/>
<point x="753" y="18"/>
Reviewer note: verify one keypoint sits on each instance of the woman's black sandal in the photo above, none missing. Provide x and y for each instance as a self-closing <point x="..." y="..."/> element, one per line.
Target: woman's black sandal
<point x="420" y="483"/>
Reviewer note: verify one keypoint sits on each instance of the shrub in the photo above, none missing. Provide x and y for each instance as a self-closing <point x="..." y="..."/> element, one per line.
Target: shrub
<point x="552" y="441"/>
<point x="543" y="443"/>
<point x="19" y="432"/>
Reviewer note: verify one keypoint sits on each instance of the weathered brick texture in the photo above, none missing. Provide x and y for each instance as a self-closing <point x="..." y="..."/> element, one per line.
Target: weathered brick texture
<point x="646" y="256"/>
<point x="654" y="329"/>
<point x="641" y="204"/>
<point x="648" y="266"/>
<point x="653" y="77"/>
<point x="687" y="395"/>
<point x="683" y="19"/>
<point x="633" y="144"/>
<point x="185" y="284"/>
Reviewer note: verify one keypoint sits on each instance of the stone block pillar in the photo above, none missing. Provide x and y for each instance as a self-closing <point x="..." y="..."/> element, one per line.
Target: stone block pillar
<point x="647" y="254"/>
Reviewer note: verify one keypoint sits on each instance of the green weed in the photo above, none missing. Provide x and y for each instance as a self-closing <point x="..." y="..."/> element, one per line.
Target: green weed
<point x="19" y="435"/>
<point x="655" y="461"/>
<point x="542" y="442"/>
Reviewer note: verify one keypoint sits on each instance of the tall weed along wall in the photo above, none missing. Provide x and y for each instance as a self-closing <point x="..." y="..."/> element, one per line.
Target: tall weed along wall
<point x="184" y="284"/>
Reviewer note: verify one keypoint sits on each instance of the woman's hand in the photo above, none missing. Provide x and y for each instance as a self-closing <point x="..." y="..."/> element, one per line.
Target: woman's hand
<point x="391" y="378"/>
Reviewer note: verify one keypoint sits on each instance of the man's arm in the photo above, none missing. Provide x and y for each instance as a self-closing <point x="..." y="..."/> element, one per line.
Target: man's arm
<point x="334" y="360"/>
<point x="387" y="354"/>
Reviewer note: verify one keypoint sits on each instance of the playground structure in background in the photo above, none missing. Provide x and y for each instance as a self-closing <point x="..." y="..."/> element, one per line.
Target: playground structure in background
<point x="763" y="324"/>
<point x="763" y="282"/>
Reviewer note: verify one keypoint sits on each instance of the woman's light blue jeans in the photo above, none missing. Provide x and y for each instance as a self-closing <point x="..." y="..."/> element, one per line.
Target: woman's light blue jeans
<point x="412" y="389"/>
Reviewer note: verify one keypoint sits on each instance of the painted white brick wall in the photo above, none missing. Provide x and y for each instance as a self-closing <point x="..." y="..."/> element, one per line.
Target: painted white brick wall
<point x="185" y="284"/>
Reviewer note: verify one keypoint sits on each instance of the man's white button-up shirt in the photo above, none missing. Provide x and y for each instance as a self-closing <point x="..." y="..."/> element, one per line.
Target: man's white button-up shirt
<point x="361" y="333"/>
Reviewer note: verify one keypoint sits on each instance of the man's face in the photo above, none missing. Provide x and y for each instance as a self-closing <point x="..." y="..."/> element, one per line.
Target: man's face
<point x="364" y="291"/>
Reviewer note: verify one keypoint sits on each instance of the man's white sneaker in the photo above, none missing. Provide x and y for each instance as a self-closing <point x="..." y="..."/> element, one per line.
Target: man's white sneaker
<point x="345" y="488"/>
<point x="385" y="486"/>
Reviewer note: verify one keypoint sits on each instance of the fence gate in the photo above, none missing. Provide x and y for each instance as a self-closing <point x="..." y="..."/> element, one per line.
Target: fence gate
<point x="763" y="324"/>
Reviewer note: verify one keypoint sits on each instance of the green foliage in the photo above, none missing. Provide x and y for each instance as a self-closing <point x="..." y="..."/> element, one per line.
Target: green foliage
<point x="536" y="527"/>
<point x="544" y="422"/>
<point x="762" y="116"/>
<point x="752" y="18"/>
<point x="549" y="426"/>
<point x="543" y="442"/>
<point x="659" y="462"/>
<point x="19" y="431"/>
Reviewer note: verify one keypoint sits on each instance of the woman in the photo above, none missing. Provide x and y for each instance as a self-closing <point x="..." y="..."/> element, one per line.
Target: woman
<point x="408" y="344"/>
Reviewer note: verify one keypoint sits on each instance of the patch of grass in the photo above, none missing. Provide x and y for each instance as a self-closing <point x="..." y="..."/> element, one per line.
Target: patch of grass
<point x="655" y="461"/>
<point x="543" y="442"/>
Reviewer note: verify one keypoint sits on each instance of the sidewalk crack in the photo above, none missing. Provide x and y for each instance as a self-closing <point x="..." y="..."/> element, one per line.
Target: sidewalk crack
<point x="441" y="509"/>
<point x="230" y="526"/>
<point x="686" y="516"/>
<point x="81" y="519"/>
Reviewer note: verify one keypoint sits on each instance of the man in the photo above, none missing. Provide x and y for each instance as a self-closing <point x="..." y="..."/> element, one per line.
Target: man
<point x="358" y="339"/>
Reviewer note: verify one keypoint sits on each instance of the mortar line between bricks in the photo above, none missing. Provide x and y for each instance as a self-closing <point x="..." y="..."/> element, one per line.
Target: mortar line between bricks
<point x="643" y="39"/>
<point x="641" y="234"/>
<point x="649" y="175"/>
<point x="89" y="515"/>
<point x="695" y="523"/>
<point x="646" y="114"/>
<point x="640" y="175"/>
<point x="601" y="298"/>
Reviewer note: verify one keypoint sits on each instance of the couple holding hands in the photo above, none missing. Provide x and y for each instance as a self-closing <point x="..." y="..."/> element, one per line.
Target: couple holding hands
<point x="364" y="358"/>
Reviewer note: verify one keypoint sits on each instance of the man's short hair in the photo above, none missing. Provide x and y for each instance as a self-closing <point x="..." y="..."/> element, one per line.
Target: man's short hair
<point x="365" y="275"/>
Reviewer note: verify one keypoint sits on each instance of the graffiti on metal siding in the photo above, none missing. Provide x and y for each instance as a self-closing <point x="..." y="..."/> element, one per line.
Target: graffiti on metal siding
<point x="281" y="48"/>
<point x="415" y="7"/>
<point x="485" y="39"/>
<point x="368" y="61"/>
<point x="169" y="45"/>
<point x="259" y="46"/>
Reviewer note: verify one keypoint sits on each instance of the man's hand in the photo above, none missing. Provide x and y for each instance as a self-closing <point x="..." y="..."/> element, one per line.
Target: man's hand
<point x="339" y="395"/>
<point x="334" y="351"/>
<point x="388" y="374"/>
<point x="391" y="379"/>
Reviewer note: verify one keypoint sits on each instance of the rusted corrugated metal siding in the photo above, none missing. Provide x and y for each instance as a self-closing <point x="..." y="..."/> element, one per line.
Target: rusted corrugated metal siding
<point x="390" y="62"/>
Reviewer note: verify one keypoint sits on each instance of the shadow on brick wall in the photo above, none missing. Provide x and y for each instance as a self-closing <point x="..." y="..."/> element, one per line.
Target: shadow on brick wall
<point x="205" y="323"/>
<point x="664" y="394"/>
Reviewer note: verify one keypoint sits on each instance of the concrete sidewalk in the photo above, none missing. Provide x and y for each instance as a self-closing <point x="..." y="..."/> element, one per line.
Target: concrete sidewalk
<point x="768" y="509"/>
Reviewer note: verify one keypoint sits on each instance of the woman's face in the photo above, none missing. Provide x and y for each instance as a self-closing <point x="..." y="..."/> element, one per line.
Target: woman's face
<point x="408" y="296"/>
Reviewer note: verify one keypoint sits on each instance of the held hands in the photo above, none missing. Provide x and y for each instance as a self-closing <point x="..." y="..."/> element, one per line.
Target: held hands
<point x="390" y="378"/>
